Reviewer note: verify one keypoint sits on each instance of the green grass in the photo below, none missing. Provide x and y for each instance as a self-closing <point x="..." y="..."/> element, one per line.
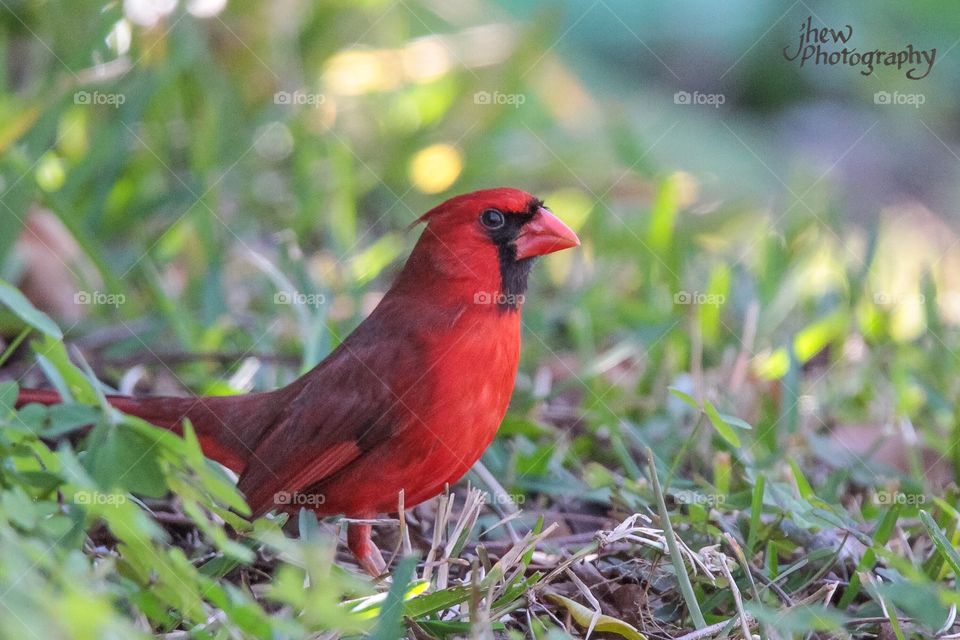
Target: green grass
<point x="752" y="348"/>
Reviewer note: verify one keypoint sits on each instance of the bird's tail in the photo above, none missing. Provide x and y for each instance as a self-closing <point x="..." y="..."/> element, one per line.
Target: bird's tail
<point x="228" y="427"/>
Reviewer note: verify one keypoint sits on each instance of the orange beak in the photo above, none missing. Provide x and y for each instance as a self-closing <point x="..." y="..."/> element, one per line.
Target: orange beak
<point x="544" y="234"/>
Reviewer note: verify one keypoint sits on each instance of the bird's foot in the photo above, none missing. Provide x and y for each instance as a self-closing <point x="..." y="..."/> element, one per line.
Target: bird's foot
<point x="363" y="549"/>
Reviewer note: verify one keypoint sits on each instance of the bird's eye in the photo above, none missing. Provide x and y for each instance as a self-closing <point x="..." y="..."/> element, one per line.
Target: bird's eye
<point x="492" y="219"/>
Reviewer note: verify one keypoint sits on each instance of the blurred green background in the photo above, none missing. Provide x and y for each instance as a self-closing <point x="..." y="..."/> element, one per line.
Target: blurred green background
<point x="787" y="250"/>
<point x="196" y="158"/>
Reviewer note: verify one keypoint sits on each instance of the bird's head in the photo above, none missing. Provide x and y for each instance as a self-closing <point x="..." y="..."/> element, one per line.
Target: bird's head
<point x="488" y="239"/>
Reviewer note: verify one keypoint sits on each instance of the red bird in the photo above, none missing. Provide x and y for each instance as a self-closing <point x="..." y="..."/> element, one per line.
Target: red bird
<point x="410" y="399"/>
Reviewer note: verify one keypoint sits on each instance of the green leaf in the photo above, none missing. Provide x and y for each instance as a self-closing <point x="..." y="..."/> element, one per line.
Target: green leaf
<point x="11" y="297"/>
<point x="723" y="428"/>
<point x="120" y="458"/>
<point x="8" y="397"/>
<point x="880" y="537"/>
<point x="390" y="623"/>
<point x="371" y="606"/>
<point x="437" y="601"/>
<point x="756" y="509"/>
<point x="604" y="623"/>
<point x="14" y="345"/>
<point x="308" y="525"/>
<point x="803" y="486"/>
<point x="734" y="421"/>
<point x="663" y="213"/>
<point x="685" y="398"/>
<point x="443" y="629"/>
<point x="918" y="600"/>
<point x="211" y="476"/>
<point x="523" y="426"/>
<point x="940" y="541"/>
<point x="686" y="588"/>
<point x="537" y="528"/>
<point x="774" y="365"/>
<point x="220" y="565"/>
<point x="516" y="589"/>
<point x="718" y="290"/>
<point x="817" y="335"/>
<point x="798" y="619"/>
<point x="68" y="417"/>
<point x="53" y="357"/>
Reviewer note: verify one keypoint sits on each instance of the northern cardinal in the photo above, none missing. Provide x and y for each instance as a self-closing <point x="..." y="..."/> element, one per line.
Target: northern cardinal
<point x="409" y="400"/>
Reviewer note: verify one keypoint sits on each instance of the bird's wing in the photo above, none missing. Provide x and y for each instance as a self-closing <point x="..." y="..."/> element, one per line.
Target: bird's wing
<point x="355" y="399"/>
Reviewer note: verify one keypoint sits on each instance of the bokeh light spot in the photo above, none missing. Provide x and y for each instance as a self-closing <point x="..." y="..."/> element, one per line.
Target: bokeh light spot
<point x="51" y="173"/>
<point x="435" y="168"/>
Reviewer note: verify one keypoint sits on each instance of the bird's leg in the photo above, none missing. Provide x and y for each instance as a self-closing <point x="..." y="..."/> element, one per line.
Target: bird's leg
<point x="362" y="547"/>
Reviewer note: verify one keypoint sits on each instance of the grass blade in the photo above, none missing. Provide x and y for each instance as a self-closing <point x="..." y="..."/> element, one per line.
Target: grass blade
<point x="682" y="578"/>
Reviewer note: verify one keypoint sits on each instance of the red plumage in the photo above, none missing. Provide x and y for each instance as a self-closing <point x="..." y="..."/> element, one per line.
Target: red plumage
<point x="410" y="399"/>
